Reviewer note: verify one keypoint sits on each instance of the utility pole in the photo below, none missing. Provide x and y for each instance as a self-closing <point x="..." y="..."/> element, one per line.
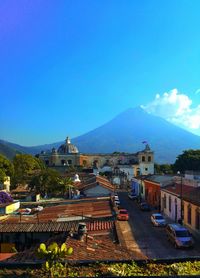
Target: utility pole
<point x="181" y="197"/>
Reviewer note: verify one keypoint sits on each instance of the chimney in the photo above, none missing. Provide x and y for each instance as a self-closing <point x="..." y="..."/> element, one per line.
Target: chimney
<point x="82" y="230"/>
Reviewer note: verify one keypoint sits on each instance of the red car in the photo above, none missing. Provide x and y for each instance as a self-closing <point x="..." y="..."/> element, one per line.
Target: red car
<point x="123" y="215"/>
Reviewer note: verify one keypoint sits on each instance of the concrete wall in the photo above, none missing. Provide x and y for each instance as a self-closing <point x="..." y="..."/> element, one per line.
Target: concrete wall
<point x="191" y="226"/>
<point x="175" y="213"/>
<point x="10" y="208"/>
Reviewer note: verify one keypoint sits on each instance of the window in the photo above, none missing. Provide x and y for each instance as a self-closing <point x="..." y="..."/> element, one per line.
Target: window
<point x="170" y="203"/>
<point x="146" y="169"/>
<point x="63" y="162"/>
<point x="165" y="201"/>
<point x="149" y="158"/>
<point x="189" y="214"/>
<point x="69" y="162"/>
<point x="197" y="219"/>
<point x="47" y="162"/>
<point x="143" y="158"/>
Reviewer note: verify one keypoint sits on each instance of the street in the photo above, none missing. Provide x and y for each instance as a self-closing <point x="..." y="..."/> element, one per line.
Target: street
<point x="149" y="240"/>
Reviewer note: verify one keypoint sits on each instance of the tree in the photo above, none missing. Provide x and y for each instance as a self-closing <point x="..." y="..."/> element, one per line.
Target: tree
<point x="46" y="182"/>
<point x="66" y="185"/>
<point x="6" y="168"/>
<point x="188" y="160"/>
<point x="25" y="167"/>
<point x="163" y="168"/>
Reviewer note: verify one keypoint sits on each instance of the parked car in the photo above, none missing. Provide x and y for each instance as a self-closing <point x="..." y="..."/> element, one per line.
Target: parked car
<point x="179" y="236"/>
<point x="158" y="220"/>
<point x="132" y="196"/>
<point x="144" y="206"/>
<point x="123" y="215"/>
<point x="117" y="203"/>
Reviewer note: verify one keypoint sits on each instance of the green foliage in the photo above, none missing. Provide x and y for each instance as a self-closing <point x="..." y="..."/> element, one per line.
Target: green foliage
<point x="65" y="185"/>
<point x="54" y="255"/>
<point x="188" y="160"/>
<point x="149" y="269"/>
<point x="115" y="269"/>
<point x="47" y="181"/>
<point x="25" y="167"/>
<point x="163" y="168"/>
<point x="6" y="168"/>
<point x="13" y="250"/>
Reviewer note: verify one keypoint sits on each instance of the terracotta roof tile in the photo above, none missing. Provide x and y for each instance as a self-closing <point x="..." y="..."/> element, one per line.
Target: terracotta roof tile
<point x="175" y="188"/>
<point x="93" y="180"/>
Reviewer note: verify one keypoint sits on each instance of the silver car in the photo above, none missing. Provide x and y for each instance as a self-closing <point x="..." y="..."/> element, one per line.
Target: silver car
<point x="179" y="236"/>
<point x="158" y="220"/>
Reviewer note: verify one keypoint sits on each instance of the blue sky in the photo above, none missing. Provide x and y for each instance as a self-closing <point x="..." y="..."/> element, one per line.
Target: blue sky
<point x="67" y="67"/>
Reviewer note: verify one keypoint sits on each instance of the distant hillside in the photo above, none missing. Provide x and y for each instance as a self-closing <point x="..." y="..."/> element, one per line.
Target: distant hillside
<point x="7" y="151"/>
<point x="10" y="149"/>
<point x="126" y="132"/>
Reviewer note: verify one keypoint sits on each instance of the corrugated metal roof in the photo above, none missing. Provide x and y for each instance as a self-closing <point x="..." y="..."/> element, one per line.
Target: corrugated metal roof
<point x="37" y="227"/>
<point x="94" y="208"/>
<point x="54" y="227"/>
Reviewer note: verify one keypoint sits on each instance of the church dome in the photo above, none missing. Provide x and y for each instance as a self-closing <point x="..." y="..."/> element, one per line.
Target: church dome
<point x="67" y="148"/>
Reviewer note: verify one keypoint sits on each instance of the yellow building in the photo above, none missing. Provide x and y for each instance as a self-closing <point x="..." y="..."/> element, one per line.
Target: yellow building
<point x="191" y="210"/>
<point x="9" y="208"/>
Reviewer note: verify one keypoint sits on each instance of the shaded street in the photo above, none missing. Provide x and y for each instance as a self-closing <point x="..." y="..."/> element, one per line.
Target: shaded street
<point x="149" y="240"/>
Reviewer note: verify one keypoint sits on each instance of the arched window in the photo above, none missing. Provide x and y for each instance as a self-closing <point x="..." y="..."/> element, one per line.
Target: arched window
<point x="143" y="158"/>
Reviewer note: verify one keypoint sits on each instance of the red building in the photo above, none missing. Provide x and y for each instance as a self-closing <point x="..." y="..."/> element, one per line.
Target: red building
<point x="153" y="185"/>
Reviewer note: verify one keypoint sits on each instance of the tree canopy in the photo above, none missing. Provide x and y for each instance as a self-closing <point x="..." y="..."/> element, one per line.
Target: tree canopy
<point x="25" y="167"/>
<point x="163" y="168"/>
<point x="6" y="168"/>
<point x="188" y="160"/>
<point x="48" y="181"/>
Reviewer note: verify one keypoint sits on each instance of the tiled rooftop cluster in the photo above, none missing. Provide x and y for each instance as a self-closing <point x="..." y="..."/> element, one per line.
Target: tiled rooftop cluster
<point x="92" y="180"/>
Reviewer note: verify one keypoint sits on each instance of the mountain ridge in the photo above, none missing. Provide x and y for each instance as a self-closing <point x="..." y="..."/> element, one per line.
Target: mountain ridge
<point x="126" y="132"/>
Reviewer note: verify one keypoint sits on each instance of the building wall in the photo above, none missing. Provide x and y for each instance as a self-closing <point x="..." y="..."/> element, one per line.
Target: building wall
<point x="152" y="193"/>
<point x="21" y="240"/>
<point x="88" y="159"/>
<point x="175" y="211"/>
<point x="142" y="163"/>
<point x="10" y="208"/>
<point x="193" y="225"/>
<point x="146" y="168"/>
<point x="141" y="187"/>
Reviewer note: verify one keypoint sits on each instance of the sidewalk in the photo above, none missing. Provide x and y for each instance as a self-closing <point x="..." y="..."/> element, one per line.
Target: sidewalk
<point x="126" y="239"/>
